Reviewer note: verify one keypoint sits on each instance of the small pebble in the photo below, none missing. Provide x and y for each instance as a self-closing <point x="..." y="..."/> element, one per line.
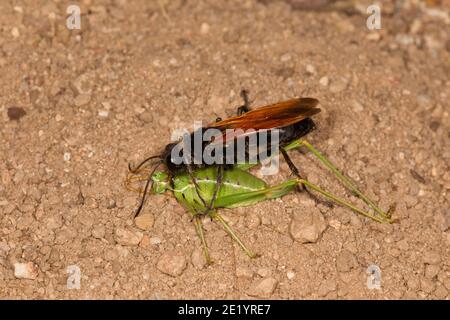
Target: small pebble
<point x="263" y="272"/>
<point x="308" y="229"/>
<point x="345" y="261"/>
<point x="26" y="270"/>
<point x="172" y="263"/>
<point x="103" y="113"/>
<point x="357" y="106"/>
<point x="204" y="28"/>
<point x="290" y="275"/>
<point x="310" y="69"/>
<point x="15" y="113"/>
<point x="82" y="99"/>
<point x="144" y="221"/>
<point x="155" y="241"/>
<point x="127" y="237"/>
<point x="431" y="257"/>
<point x="15" y="32"/>
<point x="374" y="36"/>
<point x="198" y="259"/>
<point x="242" y="272"/>
<point x="338" y="85"/>
<point x="324" y="81"/>
<point x="263" y="288"/>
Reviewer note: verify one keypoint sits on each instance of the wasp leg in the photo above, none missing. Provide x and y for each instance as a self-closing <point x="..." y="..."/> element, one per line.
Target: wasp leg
<point x="197" y="187"/>
<point x="246" y="106"/>
<point x="219" y="178"/>
<point x="293" y="168"/>
<point x="301" y="186"/>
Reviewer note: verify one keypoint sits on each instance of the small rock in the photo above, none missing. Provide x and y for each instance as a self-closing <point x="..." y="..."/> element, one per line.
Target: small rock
<point x="15" y="113"/>
<point x="144" y="221"/>
<point x="310" y="69"/>
<point x="357" y="106"/>
<point x="431" y="271"/>
<point x="324" y="81"/>
<point x="252" y="221"/>
<point x="440" y="292"/>
<point x="204" y="28"/>
<point x="290" y="275"/>
<point x="326" y="287"/>
<point x="263" y="272"/>
<point x="416" y="26"/>
<point x="145" y="241"/>
<point x="286" y="57"/>
<point x="26" y="270"/>
<point x="427" y="285"/>
<point x="103" y="113"/>
<point x="263" y="288"/>
<point x="155" y="241"/>
<point x="127" y="237"/>
<point x="345" y="261"/>
<point x="374" y="36"/>
<point x="146" y="116"/>
<point x="431" y="257"/>
<point x="285" y="73"/>
<point x="172" y="263"/>
<point x="338" y="85"/>
<point x="98" y="231"/>
<point x="198" y="259"/>
<point x="81" y="85"/>
<point x="15" y="32"/>
<point x="242" y="272"/>
<point x="309" y="228"/>
<point x="82" y="99"/>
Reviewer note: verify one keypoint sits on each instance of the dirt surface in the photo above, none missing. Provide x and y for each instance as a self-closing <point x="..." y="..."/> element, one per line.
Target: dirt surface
<point x="77" y="105"/>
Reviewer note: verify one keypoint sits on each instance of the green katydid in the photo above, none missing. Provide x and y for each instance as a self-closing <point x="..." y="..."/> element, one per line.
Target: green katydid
<point x="241" y="188"/>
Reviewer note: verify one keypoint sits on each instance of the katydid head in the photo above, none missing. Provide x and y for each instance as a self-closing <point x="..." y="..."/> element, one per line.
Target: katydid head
<point x="160" y="182"/>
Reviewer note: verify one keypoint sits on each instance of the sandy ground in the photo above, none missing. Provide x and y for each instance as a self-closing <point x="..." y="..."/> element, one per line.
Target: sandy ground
<point x="77" y="105"/>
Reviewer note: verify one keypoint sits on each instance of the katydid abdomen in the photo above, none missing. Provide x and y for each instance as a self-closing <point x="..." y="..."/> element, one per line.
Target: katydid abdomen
<point x="238" y="188"/>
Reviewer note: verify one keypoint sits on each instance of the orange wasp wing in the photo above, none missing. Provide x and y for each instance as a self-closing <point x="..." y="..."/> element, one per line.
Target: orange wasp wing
<point x="273" y="116"/>
<point x="276" y="115"/>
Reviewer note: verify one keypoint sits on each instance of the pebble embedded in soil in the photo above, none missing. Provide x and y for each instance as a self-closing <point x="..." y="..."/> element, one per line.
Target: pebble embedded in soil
<point x="324" y="81"/>
<point x="290" y="275"/>
<point x="15" y="113"/>
<point x="198" y="259"/>
<point x="309" y="227"/>
<point x="144" y="221"/>
<point x="243" y="272"/>
<point x="345" y="261"/>
<point x="263" y="288"/>
<point x="172" y="263"/>
<point x="127" y="237"/>
<point x="338" y="85"/>
<point x="26" y="270"/>
<point x="431" y="257"/>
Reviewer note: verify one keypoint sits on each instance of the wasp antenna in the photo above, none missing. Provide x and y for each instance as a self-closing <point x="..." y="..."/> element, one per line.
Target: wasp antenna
<point x="133" y="170"/>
